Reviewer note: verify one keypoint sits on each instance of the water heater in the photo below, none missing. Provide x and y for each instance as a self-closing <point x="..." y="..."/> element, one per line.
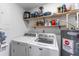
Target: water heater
<point x="70" y="42"/>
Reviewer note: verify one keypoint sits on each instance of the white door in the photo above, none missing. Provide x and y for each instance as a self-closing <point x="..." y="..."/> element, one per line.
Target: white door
<point x="40" y="51"/>
<point x="18" y="49"/>
<point x="33" y="50"/>
<point x="49" y="52"/>
<point x="45" y="52"/>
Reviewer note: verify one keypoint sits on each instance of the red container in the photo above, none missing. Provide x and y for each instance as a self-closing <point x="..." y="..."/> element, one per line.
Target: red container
<point x="53" y="23"/>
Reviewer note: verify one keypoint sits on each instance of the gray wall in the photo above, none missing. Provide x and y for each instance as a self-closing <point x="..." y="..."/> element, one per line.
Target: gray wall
<point x="11" y="21"/>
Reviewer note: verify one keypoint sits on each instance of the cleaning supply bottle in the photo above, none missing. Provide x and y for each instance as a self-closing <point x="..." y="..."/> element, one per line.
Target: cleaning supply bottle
<point x="53" y="23"/>
<point x="64" y="9"/>
<point x="57" y="22"/>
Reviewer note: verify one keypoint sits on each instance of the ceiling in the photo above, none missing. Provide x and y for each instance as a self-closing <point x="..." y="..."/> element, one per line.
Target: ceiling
<point x="29" y="6"/>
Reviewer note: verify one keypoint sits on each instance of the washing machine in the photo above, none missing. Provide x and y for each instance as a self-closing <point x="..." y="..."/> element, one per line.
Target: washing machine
<point x="48" y="43"/>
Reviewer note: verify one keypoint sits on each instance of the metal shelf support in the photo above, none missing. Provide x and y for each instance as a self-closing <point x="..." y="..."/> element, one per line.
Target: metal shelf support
<point x="67" y="17"/>
<point x="77" y="14"/>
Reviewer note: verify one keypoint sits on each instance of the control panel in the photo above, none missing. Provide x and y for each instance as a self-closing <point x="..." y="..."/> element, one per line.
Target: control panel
<point x="46" y="35"/>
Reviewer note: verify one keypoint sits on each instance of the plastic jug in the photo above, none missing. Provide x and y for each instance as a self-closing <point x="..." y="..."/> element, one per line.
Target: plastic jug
<point x="53" y="23"/>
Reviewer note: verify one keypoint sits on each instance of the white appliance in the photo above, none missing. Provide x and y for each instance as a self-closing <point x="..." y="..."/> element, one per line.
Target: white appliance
<point x="35" y="46"/>
<point x="19" y="45"/>
<point x="47" y="44"/>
